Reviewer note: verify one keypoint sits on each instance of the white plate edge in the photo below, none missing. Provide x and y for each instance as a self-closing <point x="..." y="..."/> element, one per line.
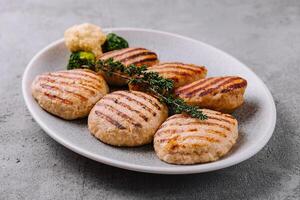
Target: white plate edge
<point x="158" y="170"/>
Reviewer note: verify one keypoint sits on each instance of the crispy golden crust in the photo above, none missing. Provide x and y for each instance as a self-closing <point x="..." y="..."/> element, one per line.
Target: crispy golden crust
<point x="185" y="140"/>
<point x="180" y="73"/>
<point x="128" y="56"/>
<point x="69" y="94"/>
<point x="218" y="93"/>
<point x="125" y="118"/>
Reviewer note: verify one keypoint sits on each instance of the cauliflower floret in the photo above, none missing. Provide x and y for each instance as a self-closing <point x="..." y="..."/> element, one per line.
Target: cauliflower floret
<point x="85" y="37"/>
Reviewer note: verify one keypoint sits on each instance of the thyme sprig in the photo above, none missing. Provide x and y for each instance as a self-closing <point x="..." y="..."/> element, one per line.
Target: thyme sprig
<point x="177" y="105"/>
<point x="136" y="75"/>
<point x="152" y="82"/>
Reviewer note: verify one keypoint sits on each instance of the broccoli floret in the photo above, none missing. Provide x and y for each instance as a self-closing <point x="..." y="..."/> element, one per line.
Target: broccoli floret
<point x="81" y="59"/>
<point x="114" y="42"/>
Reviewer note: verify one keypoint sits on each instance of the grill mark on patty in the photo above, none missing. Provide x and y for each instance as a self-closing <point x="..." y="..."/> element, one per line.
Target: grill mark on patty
<point x="142" y="61"/>
<point x="124" y="56"/>
<point x="205" y="85"/>
<point x="174" y="72"/>
<point x="213" y="124"/>
<point x="211" y="90"/>
<point x="209" y="139"/>
<point x="147" y="99"/>
<point x="199" y="122"/>
<point x="226" y="115"/>
<point x="173" y="69"/>
<point x="117" y="101"/>
<point x="121" y="114"/>
<point x="120" y="53"/>
<point x="144" y="106"/>
<point x="72" y="85"/>
<point x="193" y="85"/>
<point x="234" y="86"/>
<point x="110" y="120"/>
<point x="138" y="54"/>
<point x="182" y="131"/>
<point x="221" y="119"/>
<point x="211" y="112"/>
<point x="210" y="115"/>
<point x="74" y="78"/>
<point x="64" y="101"/>
<point x="192" y="68"/>
<point x="59" y="80"/>
<point x="171" y="63"/>
<point x="49" y="87"/>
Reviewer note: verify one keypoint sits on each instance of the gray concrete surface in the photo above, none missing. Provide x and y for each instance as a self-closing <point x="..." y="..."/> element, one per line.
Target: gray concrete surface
<point x="263" y="34"/>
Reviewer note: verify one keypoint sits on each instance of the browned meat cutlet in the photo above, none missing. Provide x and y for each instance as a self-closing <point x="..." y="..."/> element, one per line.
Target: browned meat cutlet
<point x="180" y="73"/>
<point x="128" y="56"/>
<point x="125" y="118"/>
<point x="69" y="94"/>
<point x="218" y="93"/>
<point x="185" y="140"/>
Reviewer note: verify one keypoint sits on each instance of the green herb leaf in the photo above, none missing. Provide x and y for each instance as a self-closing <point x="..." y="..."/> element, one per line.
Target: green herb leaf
<point x="152" y="82"/>
<point x="114" y="42"/>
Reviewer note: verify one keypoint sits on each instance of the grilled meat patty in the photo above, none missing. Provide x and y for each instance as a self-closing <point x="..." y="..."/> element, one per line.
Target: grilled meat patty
<point x="218" y="93"/>
<point x="185" y="140"/>
<point x="125" y="118"/>
<point x="180" y="73"/>
<point x="128" y="56"/>
<point x="69" y="94"/>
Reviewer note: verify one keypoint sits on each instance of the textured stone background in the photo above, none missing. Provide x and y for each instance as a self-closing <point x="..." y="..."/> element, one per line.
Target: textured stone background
<point x="263" y="34"/>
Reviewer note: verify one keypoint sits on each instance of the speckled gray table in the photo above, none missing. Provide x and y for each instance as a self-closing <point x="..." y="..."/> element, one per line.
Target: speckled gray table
<point x="263" y="34"/>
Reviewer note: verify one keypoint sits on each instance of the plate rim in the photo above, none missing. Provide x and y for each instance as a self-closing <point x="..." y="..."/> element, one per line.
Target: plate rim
<point x="188" y="169"/>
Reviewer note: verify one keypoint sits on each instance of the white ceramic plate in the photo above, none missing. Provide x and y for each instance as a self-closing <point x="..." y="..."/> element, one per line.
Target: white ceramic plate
<point x="256" y="117"/>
